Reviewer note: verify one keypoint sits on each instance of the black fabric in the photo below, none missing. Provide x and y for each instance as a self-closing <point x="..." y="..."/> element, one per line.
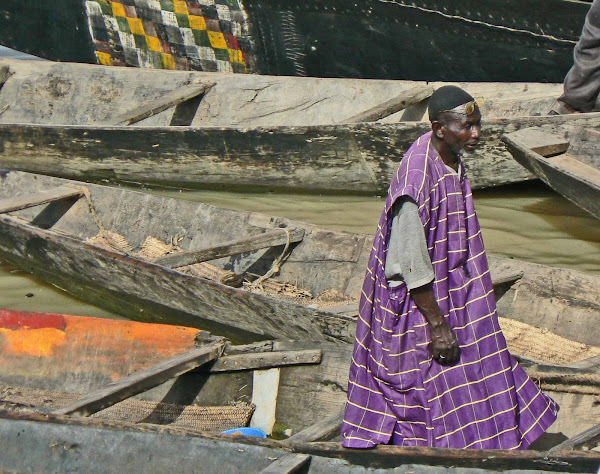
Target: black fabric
<point x="446" y="98"/>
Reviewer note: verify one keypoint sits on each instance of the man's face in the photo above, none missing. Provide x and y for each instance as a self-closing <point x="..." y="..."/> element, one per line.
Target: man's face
<point x="462" y="132"/>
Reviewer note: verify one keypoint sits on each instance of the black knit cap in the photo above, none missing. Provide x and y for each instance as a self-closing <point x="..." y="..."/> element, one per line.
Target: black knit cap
<point x="446" y="98"/>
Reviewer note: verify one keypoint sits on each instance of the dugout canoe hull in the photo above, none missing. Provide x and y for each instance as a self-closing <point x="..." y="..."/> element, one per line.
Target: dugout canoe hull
<point x="51" y="243"/>
<point x="245" y="133"/>
<point x="339" y="159"/>
<point x="83" y="354"/>
<point x="104" y="447"/>
<point x="422" y="40"/>
<point x="574" y="173"/>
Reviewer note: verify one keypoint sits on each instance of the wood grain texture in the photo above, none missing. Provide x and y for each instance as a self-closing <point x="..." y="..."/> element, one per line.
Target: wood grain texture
<point x="355" y="159"/>
<point x="142" y="381"/>
<point x="587" y="438"/>
<point x="170" y="99"/>
<point x="265" y="360"/>
<point x="85" y="442"/>
<point x="392" y="106"/>
<point x="576" y="177"/>
<point x="23" y="202"/>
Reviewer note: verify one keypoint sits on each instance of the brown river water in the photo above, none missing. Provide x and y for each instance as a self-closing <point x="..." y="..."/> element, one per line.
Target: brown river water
<point x="527" y="221"/>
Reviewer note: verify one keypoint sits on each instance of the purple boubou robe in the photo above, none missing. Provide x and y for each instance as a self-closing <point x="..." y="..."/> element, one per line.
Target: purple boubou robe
<point x="397" y="393"/>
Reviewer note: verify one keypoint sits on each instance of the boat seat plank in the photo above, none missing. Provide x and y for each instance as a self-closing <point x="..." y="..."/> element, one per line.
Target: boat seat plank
<point x="170" y="99"/>
<point x="143" y="380"/>
<point x="503" y="276"/>
<point x="581" y="171"/>
<point x="264" y="360"/>
<point x="44" y="197"/>
<point x="248" y="244"/>
<point x="398" y="103"/>
<point x="540" y="142"/>
<point x="588" y="438"/>
<point x="322" y="430"/>
<point x="288" y="464"/>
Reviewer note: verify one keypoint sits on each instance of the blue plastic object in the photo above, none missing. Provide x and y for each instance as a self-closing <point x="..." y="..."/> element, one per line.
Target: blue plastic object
<point x="256" y="432"/>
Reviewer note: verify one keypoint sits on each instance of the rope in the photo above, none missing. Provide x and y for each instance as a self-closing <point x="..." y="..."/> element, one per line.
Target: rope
<point x="108" y="238"/>
<point x="276" y="263"/>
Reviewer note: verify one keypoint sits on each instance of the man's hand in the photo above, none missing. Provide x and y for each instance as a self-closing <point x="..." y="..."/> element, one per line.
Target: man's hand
<point x="443" y="340"/>
<point x="444" y="344"/>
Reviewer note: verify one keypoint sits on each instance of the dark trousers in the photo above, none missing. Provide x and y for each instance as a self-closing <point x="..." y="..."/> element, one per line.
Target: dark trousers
<point x="582" y="82"/>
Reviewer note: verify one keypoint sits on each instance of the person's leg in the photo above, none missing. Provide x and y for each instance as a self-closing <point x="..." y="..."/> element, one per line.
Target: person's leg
<point x="582" y="82"/>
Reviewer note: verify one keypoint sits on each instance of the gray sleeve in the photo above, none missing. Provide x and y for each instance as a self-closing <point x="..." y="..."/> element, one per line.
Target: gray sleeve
<point x="407" y="257"/>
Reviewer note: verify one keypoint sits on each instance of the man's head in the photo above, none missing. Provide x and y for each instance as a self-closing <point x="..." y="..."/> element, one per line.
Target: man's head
<point x="455" y="120"/>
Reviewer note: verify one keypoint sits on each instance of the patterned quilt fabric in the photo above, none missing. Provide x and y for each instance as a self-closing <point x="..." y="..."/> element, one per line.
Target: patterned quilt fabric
<point x="397" y="393"/>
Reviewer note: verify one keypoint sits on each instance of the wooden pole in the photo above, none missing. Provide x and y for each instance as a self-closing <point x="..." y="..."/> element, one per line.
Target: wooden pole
<point x="398" y="103"/>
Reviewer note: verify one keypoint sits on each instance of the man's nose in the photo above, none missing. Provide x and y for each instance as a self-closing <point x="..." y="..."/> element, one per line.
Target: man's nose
<point x="476" y="132"/>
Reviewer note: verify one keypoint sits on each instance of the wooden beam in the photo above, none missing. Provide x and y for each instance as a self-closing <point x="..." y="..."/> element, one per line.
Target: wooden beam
<point x="588" y="437"/>
<point x="507" y="276"/>
<point x="44" y="197"/>
<point x="261" y="346"/>
<point x="265" y="360"/>
<point x="398" y="103"/>
<point x="288" y="464"/>
<point x="249" y="244"/>
<point x="322" y="430"/>
<point x="540" y="142"/>
<point x="170" y="99"/>
<point x="142" y="381"/>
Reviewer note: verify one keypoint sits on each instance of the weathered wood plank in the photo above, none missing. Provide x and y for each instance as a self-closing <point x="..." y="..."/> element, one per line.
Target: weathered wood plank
<point x="32" y="200"/>
<point x="170" y="99"/>
<point x="261" y="346"/>
<point x="577" y="181"/>
<point x="398" y="103"/>
<point x="508" y="276"/>
<point x="334" y="159"/>
<point x="249" y="244"/>
<point x="540" y="142"/>
<point x="587" y="438"/>
<point x="288" y="464"/>
<point x="577" y="169"/>
<point x="119" y="443"/>
<point x="321" y="430"/>
<point x="128" y="286"/>
<point x="264" y="360"/>
<point x="142" y="381"/>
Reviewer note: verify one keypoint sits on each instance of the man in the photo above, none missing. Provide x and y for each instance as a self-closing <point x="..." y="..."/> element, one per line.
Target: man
<point x="582" y="82"/>
<point x="430" y="365"/>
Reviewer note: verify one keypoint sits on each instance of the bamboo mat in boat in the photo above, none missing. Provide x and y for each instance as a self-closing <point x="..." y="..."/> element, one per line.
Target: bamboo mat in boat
<point x="203" y="418"/>
<point x="542" y="345"/>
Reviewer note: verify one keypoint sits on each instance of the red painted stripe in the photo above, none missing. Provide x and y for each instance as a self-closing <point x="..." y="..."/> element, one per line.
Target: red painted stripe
<point x="19" y="319"/>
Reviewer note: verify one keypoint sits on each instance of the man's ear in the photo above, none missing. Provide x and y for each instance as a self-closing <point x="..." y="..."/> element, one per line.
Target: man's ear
<point x="438" y="130"/>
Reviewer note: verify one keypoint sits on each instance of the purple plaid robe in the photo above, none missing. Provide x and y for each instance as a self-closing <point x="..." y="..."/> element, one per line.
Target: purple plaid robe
<point x="397" y="393"/>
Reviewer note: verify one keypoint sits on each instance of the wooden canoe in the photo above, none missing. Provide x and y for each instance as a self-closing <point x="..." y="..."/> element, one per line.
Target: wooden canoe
<point x="241" y="132"/>
<point x="506" y="40"/>
<point x="132" y="253"/>
<point x="565" y="159"/>
<point x="55" y="369"/>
